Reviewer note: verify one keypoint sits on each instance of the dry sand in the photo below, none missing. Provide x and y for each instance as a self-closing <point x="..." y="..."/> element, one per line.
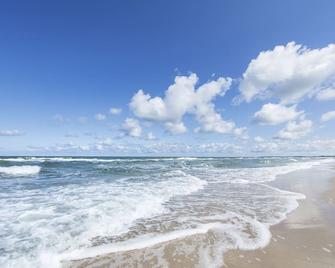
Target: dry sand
<point x="306" y="239"/>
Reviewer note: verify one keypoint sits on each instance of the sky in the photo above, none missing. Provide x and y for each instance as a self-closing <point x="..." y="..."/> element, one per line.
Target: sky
<point x="217" y="77"/>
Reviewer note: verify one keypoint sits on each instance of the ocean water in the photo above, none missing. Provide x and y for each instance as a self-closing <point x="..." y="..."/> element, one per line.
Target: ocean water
<point x="55" y="209"/>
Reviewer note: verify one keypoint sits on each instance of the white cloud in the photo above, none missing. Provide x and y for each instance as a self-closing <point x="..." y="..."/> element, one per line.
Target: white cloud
<point x="84" y="147"/>
<point x="175" y="127"/>
<point x="115" y="111"/>
<point x="295" y="130"/>
<point x="328" y="116"/>
<point x="160" y="148"/>
<point x="182" y="98"/>
<point x="260" y="146"/>
<point x="265" y="147"/>
<point x="131" y="127"/>
<point x="211" y="121"/>
<point x="100" y="117"/>
<point x="178" y="100"/>
<point x="326" y="94"/>
<point x="241" y="133"/>
<point x="151" y="136"/>
<point x="219" y="148"/>
<point x="274" y="114"/>
<point x="66" y="147"/>
<point x="315" y="146"/>
<point x="288" y="73"/>
<point x="308" y="147"/>
<point x="105" y="141"/>
<point x="13" y="132"/>
<point x="258" y="139"/>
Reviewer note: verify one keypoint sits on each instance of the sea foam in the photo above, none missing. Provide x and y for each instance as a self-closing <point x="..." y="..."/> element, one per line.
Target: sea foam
<point x="20" y="170"/>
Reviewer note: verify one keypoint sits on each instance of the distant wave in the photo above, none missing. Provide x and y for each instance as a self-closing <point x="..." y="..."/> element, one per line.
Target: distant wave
<point x="23" y="159"/>
<point x="20" y="170"/>
<point x="187" y="158"/>
<point x="89" y="159"/>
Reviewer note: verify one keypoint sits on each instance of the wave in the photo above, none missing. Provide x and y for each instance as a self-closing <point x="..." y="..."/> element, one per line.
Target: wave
<point x="135" y="210"/>
<point x="98" y="160"/>
<point x="71" y="159"/>
<point x="187" y="158"/>
<point x="236" y="233"/>
<point x="138" y="243"/>
<point x="259" y="174"/>
<point x="88" y="211"/>
<point x="23" y="159"/>
<point x="20" y="170"/>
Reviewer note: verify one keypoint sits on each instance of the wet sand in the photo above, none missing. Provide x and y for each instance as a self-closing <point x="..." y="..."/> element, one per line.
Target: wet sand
<point x="305" y="239"/>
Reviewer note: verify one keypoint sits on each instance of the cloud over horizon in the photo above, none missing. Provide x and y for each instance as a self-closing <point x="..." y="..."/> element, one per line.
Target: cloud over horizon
<point x="181" y="98"/>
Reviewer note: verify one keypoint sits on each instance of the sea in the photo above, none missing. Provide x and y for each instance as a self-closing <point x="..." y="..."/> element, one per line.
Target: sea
<point x="57" y="209"/>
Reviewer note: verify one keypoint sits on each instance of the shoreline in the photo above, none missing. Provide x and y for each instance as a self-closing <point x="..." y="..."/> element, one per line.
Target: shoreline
<point x="306" y="239"/>
<point x="295" y="241"/>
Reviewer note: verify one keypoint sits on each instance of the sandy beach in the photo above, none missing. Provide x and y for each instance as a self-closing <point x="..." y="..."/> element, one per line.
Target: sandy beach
<point x="305" y="239"/>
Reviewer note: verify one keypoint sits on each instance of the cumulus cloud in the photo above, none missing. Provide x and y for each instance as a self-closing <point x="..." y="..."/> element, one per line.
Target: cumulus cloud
<point x="241" y="133"/>
<point x="115" y="111"/>
<point x="13" y="132"/>
<point x="258" y="139"/>
<point x="274" y="114"/>
<point x="175" y="127"/>
<point x="322" y="146"/>
<point x="326" y="94"/>
<point x="307" y="147"/>
<point x="183" y="98"/>
<point x="328" y="116"/>
<point x="259" y="146"/>
<point x="295" y="130"/>
<point x="131" y="127"/>
<point x="103" y="143"/>
<point x="100" y="117"/>
<point x="178" y="100"/>
<point x="165" y="148"/>
<point x="288" y="73"/>
<point x="66" y="147"/>
<point x="263" y="146"/>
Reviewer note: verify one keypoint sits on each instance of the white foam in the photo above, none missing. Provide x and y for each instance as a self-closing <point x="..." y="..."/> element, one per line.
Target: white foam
<point x="261" y="174"/>
<point x="233" y="231"/>
<point x="327" y="250"/>
<point x="15" y="159"/>
<point x="72" y="215"/>
<point x="187" y="158"/>
<point x="137" y="243"/>
<point x="20" y="170"/>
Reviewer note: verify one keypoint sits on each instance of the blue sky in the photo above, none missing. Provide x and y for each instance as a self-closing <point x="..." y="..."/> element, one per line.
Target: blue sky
<point x="65" y="62"/>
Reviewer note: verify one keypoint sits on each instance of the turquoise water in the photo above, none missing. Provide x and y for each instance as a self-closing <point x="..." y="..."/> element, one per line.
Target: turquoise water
<point x="54" y="209"/>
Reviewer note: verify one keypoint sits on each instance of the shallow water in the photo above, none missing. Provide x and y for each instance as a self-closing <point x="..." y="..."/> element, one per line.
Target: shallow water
<point x="53" y="209"/>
